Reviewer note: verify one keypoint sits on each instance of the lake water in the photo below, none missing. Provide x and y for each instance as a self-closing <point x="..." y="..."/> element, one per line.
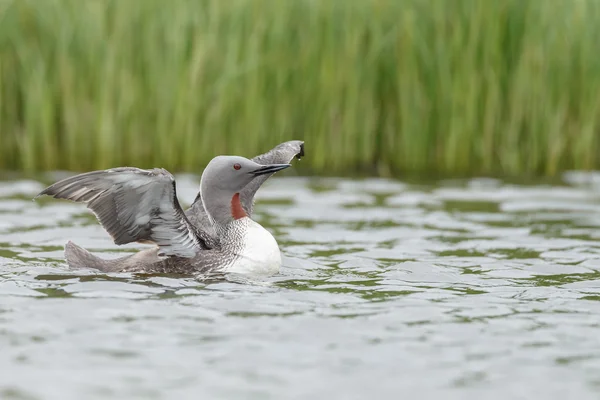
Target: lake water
<point x="450" y="290"/>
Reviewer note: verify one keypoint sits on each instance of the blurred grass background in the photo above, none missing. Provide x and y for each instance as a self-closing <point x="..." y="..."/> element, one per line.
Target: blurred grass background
<point x="454" y="87"/>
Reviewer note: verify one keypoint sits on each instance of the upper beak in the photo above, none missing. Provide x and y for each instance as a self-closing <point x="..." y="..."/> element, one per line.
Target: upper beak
<point x="269" y="169"/>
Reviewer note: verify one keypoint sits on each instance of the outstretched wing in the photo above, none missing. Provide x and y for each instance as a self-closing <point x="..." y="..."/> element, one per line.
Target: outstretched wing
<point x="281" y="154"/>
<point x="134" y="205"/>
<point x="284" y="153"/>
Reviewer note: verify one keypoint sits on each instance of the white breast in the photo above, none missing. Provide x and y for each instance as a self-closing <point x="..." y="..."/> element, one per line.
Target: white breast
<point x="259" y="254"/>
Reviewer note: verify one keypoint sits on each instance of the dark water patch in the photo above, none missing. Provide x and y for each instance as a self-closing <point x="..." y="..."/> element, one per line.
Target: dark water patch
<point x="16" y="394"/>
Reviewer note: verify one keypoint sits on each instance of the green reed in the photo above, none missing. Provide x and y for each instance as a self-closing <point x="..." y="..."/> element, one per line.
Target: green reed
<point x="414" y="86"/>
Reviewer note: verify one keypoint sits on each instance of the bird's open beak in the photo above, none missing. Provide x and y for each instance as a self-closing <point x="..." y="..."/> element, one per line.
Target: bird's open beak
<point x="269" y="169"/>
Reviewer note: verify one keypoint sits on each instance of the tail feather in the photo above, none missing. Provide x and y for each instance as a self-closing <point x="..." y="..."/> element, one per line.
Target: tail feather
<point x="79" y="258"/>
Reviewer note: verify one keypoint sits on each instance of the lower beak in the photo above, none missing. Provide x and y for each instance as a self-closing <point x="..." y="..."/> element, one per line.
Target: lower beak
<point x="269" y="169"/>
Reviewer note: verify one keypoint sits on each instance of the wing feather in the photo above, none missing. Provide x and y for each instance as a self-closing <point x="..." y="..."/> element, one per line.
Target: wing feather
<point x="134" y="205"/>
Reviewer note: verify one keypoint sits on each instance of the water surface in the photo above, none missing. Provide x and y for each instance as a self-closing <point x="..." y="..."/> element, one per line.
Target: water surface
<point x="455" y="289"/>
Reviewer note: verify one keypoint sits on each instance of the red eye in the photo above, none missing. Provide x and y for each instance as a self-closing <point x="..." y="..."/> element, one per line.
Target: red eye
<point x="237" y="166"/>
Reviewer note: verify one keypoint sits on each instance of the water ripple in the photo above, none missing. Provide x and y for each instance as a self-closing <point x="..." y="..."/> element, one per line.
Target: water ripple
<point x="452" y="289"/>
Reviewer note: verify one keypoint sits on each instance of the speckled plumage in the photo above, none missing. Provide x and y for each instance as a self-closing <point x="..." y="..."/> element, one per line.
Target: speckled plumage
<point x="136" y="205"/>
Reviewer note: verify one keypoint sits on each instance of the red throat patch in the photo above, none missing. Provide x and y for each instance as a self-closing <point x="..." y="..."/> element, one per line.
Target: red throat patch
<point x="237" y="211"/>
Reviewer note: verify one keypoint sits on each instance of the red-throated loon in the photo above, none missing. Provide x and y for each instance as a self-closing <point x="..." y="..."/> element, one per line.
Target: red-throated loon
<point x="216" y="234"/>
